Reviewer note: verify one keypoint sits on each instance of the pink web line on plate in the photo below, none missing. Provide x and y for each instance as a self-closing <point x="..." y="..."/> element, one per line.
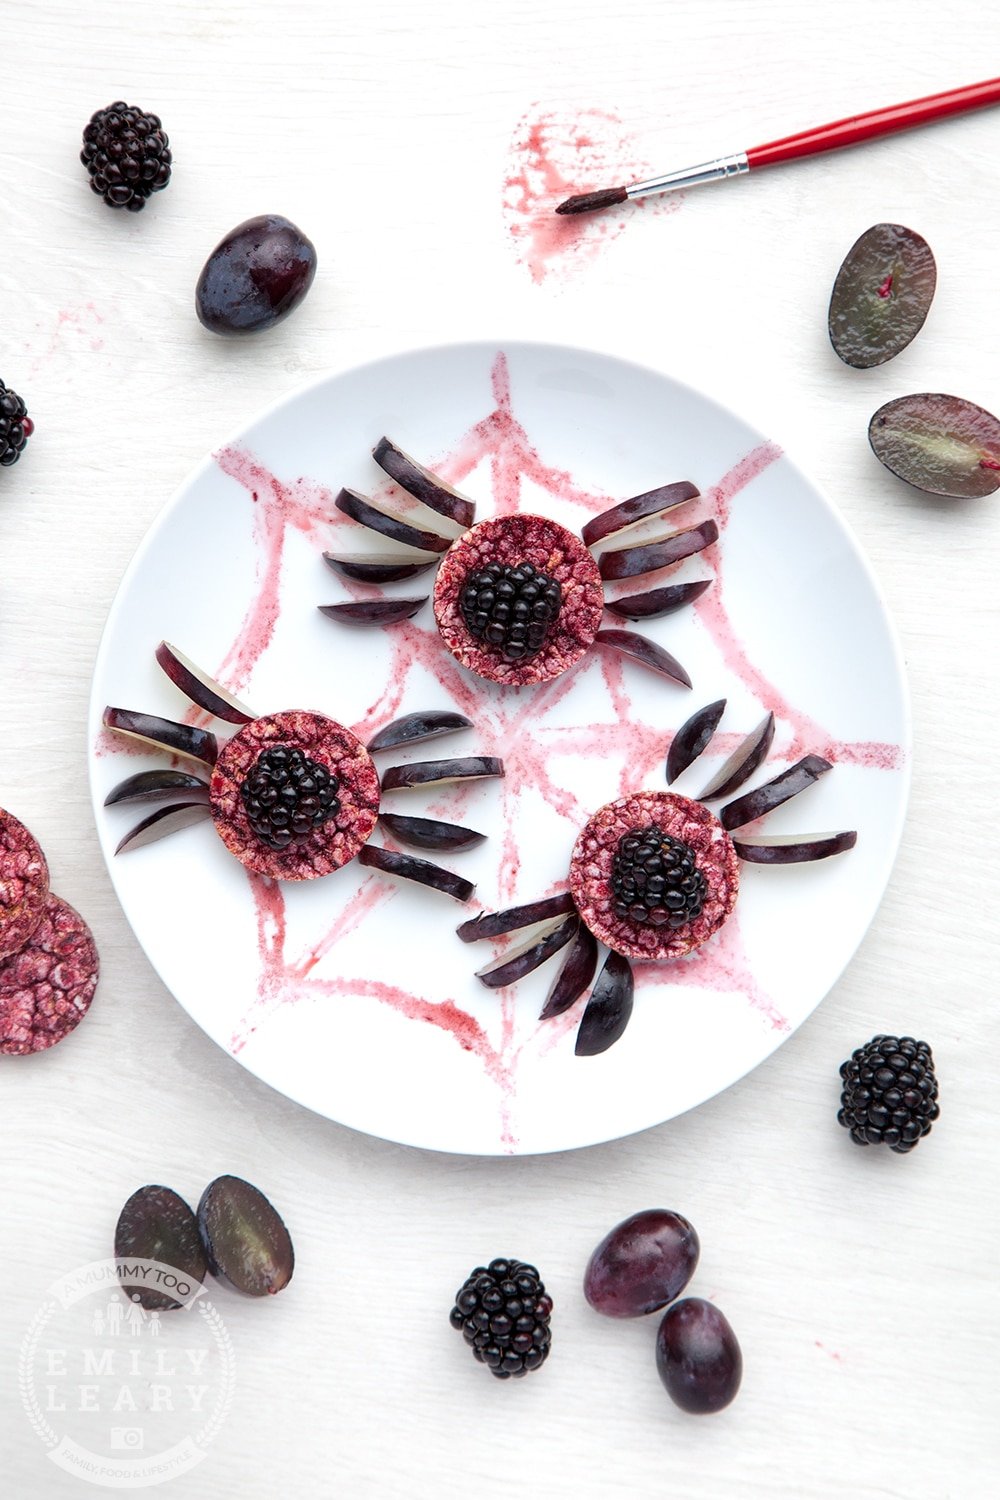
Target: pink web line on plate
<point x="507" y="722"/>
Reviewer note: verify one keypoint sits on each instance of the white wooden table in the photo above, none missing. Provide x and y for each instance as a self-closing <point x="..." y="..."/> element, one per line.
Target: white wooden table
<point x="862" y="1285"/>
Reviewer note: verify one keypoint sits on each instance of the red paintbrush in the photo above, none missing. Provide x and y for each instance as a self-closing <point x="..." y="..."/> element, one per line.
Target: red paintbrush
<point x="849" y="132"/>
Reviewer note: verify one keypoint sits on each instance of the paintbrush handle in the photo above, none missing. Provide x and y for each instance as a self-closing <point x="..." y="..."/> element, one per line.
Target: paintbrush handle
<point x="857" y="128"/>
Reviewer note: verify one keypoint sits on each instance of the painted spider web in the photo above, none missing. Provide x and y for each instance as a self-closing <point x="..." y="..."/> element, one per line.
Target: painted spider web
<point x="509" y="724"/>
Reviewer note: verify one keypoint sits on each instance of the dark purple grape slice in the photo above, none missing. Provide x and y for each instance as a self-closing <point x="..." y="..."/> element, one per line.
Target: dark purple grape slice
<point x="373" y="611"/>
<point x="427" y="833"/>
<point x="417" y="726"/>
<point x="164" y="734"/>
<point x="388" y="522"/>
<point x="164" y="821"/>
<point x="245" y="1238"/>
<point x="203" y="690"/>
<point x="148" y="786"/>
<point x="576" y="972"/>
<point x="372" y="569"/>
<point x="740" y="766"/>
<point x="630" y="562"/>
<point x="609" y="1008"/>
<point x="422" y="871"/>
<point x="424" y="486"/>
<point x="642" y="1264"/>
<point x="942" y="444"/>
<point x="156" y="1224"/>
<point x="763" y="799"/>
<point x="529" y="956"/>
<point x="882" y="295"/>
<point x="631" y="512"/>
<point x="432" y="772"/>
<point x="492" y="924"/>
<point x="658" y="602"/>
<point x="646" y="652"/>
<point x="692" y="738"/>
<point x="793" y="848"/>
<point x="698" y="1357"/>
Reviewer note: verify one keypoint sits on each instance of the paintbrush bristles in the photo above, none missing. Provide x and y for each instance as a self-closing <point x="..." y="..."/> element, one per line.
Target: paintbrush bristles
<point x="592" y="203"/>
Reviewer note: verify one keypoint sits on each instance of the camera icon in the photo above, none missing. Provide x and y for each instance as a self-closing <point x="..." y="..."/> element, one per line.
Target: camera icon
<point x="127" y="1438"/>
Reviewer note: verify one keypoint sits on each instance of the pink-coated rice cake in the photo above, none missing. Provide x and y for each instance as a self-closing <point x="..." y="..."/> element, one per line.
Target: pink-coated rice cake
<point x="46" y="988"/>
<point x="24" y="884"/>
<point x="328" y="743"/>
<point x="682" y="818"/>
<point x="549" y="547"/>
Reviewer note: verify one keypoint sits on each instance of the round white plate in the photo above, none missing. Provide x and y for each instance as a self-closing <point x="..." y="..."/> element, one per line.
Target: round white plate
<point x="352" y="994"/>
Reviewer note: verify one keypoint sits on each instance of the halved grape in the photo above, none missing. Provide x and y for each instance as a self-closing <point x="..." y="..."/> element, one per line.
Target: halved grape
<point x="156" y="1224"/>
<point x="942" y="444"/>
<point x="245" y="1238"/>
<point x="882" y="295"/>
<point x="697" y="1356"/>
<point x="642" y="1264"/>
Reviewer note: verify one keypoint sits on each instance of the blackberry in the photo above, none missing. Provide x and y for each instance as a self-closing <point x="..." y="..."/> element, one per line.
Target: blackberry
<point x="503" y="1312"/>
<point x="287" y="795"/>
<point x="127" y="153"/>
<point x="510" y="608"/>
<point x="890" y="1093"/>
<point x="16" y="426"/>
<point x="654" y="879"/>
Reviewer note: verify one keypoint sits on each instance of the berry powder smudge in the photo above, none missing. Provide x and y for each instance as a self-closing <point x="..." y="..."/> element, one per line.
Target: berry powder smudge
<point x="553" y="155"/>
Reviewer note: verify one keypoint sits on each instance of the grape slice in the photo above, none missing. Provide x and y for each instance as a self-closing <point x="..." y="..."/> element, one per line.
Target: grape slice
<point x="740" y="766"/>
<point x="658" y="602"/>
<point x="631" y="512"/>
<point x="698" y="1357"/>
<point x="202" y="689"/>
<point x="942" y="444"/>
<point x="630" y="562"/>
<point x="147" y="786"/>
<point x="609" y="1008"/>
<point x="156" y="1224"/>
<point x="428" y="833"/>
<point x="373" y="611"/>
<point x="529" y="956"/>
<point x="164" y="821"/>
<point x="388" y="522"/>
<point x="576" y="972"/>
<point x="692" y="738"/>
<point x="646" y="652"/>
<point x="375" y="568"/>
<point x="164" y="734"/>
<point x="422" y="871"/>
<point x="881" y="296"/>
<point x="763" y="799"/>
<point x="793" y="848"/>
<point x="642" y="1264"/>
<point x="245" y="1238"/>
<point x="426" y="487"/>
<point x="417" y="726"/>
<point x="491" y="924"/>
<point x="433" y="772"/>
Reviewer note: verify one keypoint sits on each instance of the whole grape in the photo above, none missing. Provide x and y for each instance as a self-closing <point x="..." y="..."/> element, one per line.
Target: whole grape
<point x="642" y="1264"/>
<point x="256" y="276"/>
<point x="698" y="1357"/>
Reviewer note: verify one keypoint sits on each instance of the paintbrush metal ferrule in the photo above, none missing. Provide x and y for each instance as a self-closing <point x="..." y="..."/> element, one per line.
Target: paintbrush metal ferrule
<point x="669" y="182"/>
<point x="706" y="171"/>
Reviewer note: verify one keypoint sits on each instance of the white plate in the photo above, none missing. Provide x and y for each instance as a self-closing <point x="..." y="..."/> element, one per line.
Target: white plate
<point x="384" y="1026"/>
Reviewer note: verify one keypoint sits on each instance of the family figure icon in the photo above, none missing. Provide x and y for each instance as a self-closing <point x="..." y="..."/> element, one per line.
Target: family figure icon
<point x="114" y="1315"/>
